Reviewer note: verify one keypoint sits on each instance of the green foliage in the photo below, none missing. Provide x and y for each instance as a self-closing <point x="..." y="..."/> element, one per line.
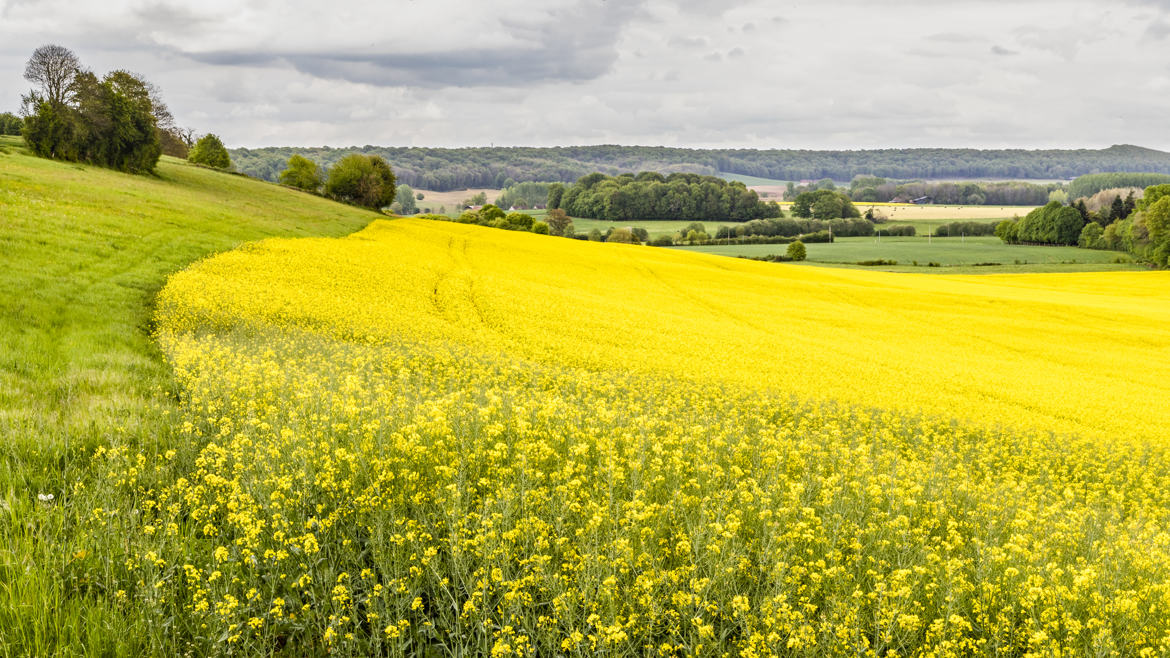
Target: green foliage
<point x="1090" y="184"/>
<point x="797" y="251"/>
<point x="404" y="201"/>
<point x="650" y="196"/>
<point x="210" y="152"/>
<point x="364" y="180"/>
<point x="478" y="199"/>
<point x="540" y="228"/>
<point x="824" y="204"/>
<point x="1091" y="236"/>
<point x="302" y="173"/>
<point x="1008" y="230"/>
<point x="1007" y="193"/>
<point x="110" y="122"/>
<point x="622" y="235"/>
<point x="1157" y="221"/>
<point x="559" y="222"/>
<point x="556" y="192"/>
<point x="9" y="124"/>
<point x="1051" y="224"/>
<point x="956" y="229"/>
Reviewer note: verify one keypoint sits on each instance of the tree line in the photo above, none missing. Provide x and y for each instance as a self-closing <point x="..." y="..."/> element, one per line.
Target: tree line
<point x="650" y="196"/>
<point x="1090" y="184"/>
<point x="117" y="121"/>
<point x="361" y="180"/>
<point x="461" y="168"/>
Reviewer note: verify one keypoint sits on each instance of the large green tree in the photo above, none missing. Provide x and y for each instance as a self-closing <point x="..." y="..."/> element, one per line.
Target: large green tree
<point x="364" y="180"/>
<point x="209" y="151"/>
<point x="302" y="173"/>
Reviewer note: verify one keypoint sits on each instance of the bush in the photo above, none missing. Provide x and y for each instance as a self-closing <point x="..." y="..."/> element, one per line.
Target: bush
<point x="664" y="240"/>
<point x="797" y="251"/>
<point x="210" y="152"/>
<point x="540" y="228"/>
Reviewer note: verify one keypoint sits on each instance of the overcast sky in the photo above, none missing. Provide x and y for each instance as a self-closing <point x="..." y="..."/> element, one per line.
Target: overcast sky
<point x="902" y="73"/>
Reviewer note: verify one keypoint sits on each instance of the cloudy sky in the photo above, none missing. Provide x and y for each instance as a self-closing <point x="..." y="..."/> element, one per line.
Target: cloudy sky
<point x="854" y="74"/>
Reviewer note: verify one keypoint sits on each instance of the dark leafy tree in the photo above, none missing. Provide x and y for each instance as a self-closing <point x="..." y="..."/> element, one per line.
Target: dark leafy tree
<point x="364" y="180"/>
<point x="1117" y="209"/>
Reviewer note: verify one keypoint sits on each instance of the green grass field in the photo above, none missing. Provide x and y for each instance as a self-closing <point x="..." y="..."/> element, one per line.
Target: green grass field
<point x="83" y="251"/>
<point x="949" y="253"/>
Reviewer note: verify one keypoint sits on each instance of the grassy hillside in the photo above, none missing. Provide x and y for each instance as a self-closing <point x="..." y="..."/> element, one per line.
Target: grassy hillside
<point x="82" y="253"/>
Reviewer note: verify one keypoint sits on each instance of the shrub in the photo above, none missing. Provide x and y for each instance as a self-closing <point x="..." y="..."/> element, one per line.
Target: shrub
<point x="540" y="227"/>
<point x="797" y="251"/>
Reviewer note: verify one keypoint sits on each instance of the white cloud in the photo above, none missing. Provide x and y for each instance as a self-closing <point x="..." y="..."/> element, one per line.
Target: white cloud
<point x="676" y="72"/>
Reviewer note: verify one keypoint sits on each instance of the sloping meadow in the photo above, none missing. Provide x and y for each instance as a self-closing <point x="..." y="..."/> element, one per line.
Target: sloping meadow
<point x="431" y="437"/>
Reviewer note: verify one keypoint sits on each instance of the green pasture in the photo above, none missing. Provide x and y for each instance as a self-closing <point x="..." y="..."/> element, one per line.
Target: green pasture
<point x="83" y="251"/>
<point x="970" y="253"/>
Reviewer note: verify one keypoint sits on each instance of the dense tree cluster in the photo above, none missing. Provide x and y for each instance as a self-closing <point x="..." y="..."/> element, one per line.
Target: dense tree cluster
<point x="9" y="124"/>
<point x="958" y="229"/>
<point x="493" y="216"/>
<point x="1145" y="233"/>
<point x="1090" y="184"/>
<point x="650" y="196"/>
<point x="1054" y="223"/>
<point x="116" y="121"/>
<point x="453" y="169"/>
<point x="823" y="204"/>
<point x="1007" y="193"/>
<point x="791" y="227"/>
<point x="358" y="179"/>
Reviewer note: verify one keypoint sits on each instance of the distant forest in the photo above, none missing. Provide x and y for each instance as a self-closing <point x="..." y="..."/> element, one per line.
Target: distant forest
<point x="443" y="169"/>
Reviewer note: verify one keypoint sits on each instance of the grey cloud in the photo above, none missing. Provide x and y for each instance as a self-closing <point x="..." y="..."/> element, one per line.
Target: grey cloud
<point x="687" y="42"/>
<point x="571" y="45"/>
<point x="1157" y="30"/>
<point x="1000" y="50"/>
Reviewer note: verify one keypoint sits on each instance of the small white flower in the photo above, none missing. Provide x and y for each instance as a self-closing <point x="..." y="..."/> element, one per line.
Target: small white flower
<point x="45" y="498"/>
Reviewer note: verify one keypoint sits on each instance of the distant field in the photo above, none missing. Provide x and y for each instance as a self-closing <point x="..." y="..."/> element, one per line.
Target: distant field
<point x="752" y="181"/>
<point x="453" y="200"/>
<point x="948" y="252"/>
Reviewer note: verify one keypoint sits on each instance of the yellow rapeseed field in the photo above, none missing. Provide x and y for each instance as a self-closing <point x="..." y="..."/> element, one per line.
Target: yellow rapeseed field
<point x="446" y="439"/>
